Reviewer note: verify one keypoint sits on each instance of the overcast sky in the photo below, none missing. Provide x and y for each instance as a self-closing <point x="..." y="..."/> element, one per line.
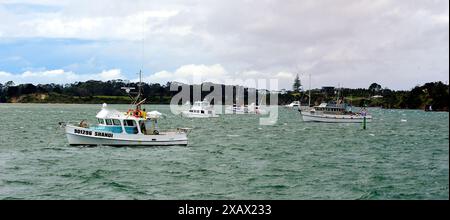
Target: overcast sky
<point x="398" y="44"/>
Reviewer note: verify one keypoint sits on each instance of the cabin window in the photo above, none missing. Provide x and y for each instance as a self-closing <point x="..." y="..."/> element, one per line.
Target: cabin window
<point x="100" y="121"/>
<point x="108" y="122"/>
<point x="116" y="122"/>
<point x="203" y="112"/>
<point x="130" y="126"/>
<point x="190" y="110"/>
<point x="128" y="122"/>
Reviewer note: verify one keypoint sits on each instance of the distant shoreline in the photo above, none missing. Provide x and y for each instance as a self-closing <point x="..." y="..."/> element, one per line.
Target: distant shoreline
<point x="281" y="106"/>
<point x="432" y="94"/>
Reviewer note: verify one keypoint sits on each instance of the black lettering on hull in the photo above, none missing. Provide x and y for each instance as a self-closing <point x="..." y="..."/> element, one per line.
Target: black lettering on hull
<point x="83" y="132"/>
<point x="89" y="133"/>
<point x="103" y="134"/>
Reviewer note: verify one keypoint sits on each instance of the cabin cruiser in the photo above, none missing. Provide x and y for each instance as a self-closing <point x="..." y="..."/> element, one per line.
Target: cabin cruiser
<point x="335" y="113"/>
<point x="136" y="127"/>
<point x="200" y="109"/>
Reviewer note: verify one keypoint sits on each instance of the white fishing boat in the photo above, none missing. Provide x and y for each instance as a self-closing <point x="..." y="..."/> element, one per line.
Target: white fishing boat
<point x="136" y="127"/>
<point x="335" y="113"/>
<point x="200" y="109"/>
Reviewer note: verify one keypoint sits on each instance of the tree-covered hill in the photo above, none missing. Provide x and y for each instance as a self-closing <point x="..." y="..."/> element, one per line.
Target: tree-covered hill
<point x="434" y="94"/>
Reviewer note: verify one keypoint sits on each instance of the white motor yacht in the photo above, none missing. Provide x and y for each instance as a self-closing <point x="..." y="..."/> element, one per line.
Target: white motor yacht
<point x="200" y="109"/>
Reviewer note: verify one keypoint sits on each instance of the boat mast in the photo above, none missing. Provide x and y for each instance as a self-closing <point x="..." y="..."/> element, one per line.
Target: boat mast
<point x="337" y="97"/>
<point x="309" y="95"/>
<point x="140" y="82"/>
<point x="138" y="100"/>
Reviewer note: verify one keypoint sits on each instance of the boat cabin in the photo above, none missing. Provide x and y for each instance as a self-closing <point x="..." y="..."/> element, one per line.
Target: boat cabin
<point x="332" y="108"/>
<point x="201" y="108"/>
<point x="110" y="120"/>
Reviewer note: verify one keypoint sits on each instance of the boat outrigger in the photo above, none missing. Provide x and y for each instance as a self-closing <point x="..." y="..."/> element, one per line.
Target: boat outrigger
<point x="136" y="127"/>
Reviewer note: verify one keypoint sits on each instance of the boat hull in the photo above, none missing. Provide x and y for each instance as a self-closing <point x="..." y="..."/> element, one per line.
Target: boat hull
<point x="198" y="115"/>
<point x="83" y="136"/>
<point x="238" y="112"/>
<point x="308" y="117"/>
<point x="241" y="112"/>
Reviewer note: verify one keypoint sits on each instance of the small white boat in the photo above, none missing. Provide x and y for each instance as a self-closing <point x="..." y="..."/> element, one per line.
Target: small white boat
<point x="257" y="109"/>
<point x="245" y="109"/>
<point x="236" y="109"/>
<point x="135" y="127"/>
<point x="335" y="113"/>
<point x="200" y="110"/>
<point x="293" y="104"/>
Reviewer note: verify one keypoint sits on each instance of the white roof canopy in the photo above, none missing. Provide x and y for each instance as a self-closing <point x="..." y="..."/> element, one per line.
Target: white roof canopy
<point x="110" y="113"/>
<point x="154" y="114"/>
<point x="107" y="113"/>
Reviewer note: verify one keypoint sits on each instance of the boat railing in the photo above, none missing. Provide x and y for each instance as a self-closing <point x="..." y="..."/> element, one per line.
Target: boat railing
<point x="82" y="124"/>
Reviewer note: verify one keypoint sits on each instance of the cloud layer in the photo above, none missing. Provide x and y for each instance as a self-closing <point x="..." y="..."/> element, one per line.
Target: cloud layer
<point x="397" y="43"/>
<point x="58" y="76"/>
<point x="189" y="74"/>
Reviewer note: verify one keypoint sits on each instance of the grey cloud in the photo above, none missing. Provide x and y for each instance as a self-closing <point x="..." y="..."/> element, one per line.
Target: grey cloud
<point x="397" y="43"/>
<point x="356" y="42"/>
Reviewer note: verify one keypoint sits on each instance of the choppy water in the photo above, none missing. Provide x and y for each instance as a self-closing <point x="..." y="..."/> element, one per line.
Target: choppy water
<point x="404" y="154"/>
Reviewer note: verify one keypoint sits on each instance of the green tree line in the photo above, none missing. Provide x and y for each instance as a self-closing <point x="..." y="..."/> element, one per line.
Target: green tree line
<point x="433" y="94"/>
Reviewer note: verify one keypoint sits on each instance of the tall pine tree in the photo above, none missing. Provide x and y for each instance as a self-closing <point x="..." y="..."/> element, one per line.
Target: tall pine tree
<point x="297" y="84"/>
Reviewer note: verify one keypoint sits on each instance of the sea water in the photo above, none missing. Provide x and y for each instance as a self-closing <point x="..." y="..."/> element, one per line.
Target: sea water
<point x="403" y="154"/>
